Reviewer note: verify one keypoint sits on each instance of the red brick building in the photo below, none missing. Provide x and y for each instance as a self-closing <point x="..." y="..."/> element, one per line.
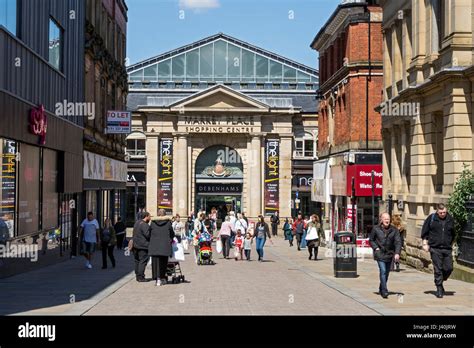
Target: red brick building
<point x="350" y="139"/>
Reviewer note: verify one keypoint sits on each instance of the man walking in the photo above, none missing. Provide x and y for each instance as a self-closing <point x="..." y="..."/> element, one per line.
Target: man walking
<point x="298" y="228"/>
<point x="275" y="220"/>
<point x="141" y="240"/>
<point x="120" y="230"/>
<point x="89" y="237"/>
<point x="387" y="244"/>
<point x="438" y="235"/>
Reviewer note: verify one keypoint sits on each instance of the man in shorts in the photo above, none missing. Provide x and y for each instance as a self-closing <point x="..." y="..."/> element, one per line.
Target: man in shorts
<point x="89" y="237"/>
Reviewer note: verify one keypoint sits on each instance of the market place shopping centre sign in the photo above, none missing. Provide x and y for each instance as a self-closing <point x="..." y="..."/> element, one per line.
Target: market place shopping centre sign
<point x="219" y="124"/>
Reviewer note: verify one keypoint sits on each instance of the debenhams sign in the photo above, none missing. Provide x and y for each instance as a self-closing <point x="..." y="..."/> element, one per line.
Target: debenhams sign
<point x="219" y="124"/>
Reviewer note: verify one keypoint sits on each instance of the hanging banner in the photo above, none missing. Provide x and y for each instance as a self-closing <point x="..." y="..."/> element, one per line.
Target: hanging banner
<point x="272" y="176"/>
<point x="165" y="175"/>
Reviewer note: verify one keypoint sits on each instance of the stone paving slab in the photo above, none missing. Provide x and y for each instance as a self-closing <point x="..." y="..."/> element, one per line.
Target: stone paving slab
<point x="286" y="284"/>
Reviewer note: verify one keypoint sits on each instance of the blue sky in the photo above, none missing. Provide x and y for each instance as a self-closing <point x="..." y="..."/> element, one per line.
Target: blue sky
<point x="285" y="27"/>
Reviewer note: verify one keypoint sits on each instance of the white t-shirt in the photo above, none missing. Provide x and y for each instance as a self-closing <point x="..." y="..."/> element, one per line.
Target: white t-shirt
<point x="90" y="230"/>
<point x="242" y="225"/>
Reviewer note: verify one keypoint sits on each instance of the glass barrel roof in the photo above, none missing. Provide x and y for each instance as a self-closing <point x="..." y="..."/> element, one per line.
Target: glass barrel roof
<point x="221" y="61"/>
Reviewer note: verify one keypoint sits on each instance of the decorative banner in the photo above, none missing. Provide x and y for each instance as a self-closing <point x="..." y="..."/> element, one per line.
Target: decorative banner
<point x="119" y="122"/>
<point x="272" y="176"/>
<point x="8" y="181"/>
<point x="97" y="167"/>
<point x="165" y="175"/>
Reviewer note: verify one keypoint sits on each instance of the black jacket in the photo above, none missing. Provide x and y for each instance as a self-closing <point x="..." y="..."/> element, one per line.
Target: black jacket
<point x="388" y="241"/>
<point x="438" y="236"/>
<point x="275" y="219"/>
<point x="162" y="235"/>
<point x="141" y="235"/>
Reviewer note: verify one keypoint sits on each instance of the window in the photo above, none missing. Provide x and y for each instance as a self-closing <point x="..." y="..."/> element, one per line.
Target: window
<point x="29" y="190"/>
<point x="305" y="147"/>
<point x="136" y="147"/>
<point x="8" y="15"/>
<point x="8" y="177"/>
<point x="55" y="44"/>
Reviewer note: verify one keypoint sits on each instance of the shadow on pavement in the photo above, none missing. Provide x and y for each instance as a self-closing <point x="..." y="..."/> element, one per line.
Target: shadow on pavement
<point x="446" y="293"/>
<point x="61" y="284"/>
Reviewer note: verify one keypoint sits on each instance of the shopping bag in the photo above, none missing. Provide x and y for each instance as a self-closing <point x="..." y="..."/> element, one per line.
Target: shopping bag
<point x="313" y="234"/>
<point x="185" y="243"/>
<point x="219" y="246"/>
<point x="236" y="252"/>
<point x="303" y="241"/>
<point x="178" y="254"/>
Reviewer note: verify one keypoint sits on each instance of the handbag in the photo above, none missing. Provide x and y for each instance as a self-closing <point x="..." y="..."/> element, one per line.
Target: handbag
<point x="313" y="234"/>
<point x="185" y="243"/>
<point x="219" y="246"/>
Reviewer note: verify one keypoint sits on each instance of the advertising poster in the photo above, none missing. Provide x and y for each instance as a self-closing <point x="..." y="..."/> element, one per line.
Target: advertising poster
<point x="165" y="175"/>
<point x="272" y="176"/>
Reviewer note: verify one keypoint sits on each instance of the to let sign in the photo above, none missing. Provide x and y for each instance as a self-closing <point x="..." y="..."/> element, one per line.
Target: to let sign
<point x="119" y="122"/>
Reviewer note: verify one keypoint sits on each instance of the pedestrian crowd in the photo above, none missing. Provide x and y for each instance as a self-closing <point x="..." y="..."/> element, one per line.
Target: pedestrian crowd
<point x="157" y="237"/>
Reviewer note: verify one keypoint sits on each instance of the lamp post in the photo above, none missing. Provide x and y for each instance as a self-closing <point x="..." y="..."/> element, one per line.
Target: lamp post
<point x="373" y="199"/>
<point x="390" y="205"/>
<point x="353" y="206"/>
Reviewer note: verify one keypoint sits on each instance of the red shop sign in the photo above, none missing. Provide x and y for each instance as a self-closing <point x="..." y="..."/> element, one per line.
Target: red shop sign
<point x="363" y="179"/>
<point x="39" y="123"/>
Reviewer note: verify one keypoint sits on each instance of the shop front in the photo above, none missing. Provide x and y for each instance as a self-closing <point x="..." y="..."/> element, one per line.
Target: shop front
<point x="105" y="181"/>
<point x="356" y="189"/>
<point x="40" y="185"/>
<point x="219" y="149"/>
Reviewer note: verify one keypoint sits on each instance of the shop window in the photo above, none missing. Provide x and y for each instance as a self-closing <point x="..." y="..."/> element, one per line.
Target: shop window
<point x="29" y="190"/>
<point x="55" y="44"/>
<point x="50" y="194"/>
<point x="8" y="177"/>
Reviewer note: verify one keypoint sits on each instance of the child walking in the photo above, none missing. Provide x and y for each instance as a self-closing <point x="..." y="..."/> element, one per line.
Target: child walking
<point x="248" y="245"/>
<point x="239" y="245"/>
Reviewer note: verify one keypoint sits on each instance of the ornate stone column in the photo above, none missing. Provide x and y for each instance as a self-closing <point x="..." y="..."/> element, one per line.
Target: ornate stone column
<point x="151" y="148"/>
<point x="180" y="175"/>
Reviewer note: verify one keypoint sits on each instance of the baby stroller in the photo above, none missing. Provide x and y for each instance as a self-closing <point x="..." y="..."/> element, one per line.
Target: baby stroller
<point x="173" y="270"/>
<point x="205" y="249"/>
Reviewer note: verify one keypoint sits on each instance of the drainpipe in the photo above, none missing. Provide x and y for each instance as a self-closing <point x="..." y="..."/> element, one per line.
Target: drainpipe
<point x="368" y="78"/>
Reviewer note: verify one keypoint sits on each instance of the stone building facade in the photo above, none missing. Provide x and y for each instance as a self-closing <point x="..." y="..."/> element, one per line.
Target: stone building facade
<point x="427" y="110"/>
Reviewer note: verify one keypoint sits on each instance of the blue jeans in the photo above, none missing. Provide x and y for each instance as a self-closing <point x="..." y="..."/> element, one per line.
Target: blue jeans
<point x="384" y="268"/>
<point x="259" y="246"/>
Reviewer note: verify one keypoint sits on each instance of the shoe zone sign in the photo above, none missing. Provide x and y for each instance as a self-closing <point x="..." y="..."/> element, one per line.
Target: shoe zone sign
<point x="119" y="122"/>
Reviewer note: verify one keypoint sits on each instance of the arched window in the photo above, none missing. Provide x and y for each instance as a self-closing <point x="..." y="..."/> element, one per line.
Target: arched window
<point x="136" y="144"/>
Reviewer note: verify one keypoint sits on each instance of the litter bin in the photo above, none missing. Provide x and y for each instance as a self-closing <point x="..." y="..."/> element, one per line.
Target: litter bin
<point x="345" y="258"/>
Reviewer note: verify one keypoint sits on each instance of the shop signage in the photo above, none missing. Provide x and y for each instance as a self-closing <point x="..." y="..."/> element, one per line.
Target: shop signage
<point x="97" y="167"/>
<point x="272" y="176"/>
<point x="349" y="218"/>
<point x="165" y="175"/>
<point x="8" y="181"/>
<point x="119" y="122"/>
<point x="219" y="188"/>
<point x="363" y="179"/>
<point x="38" y="123"/>
<point x="215" y="124"/>
<point x="136" y="177"/>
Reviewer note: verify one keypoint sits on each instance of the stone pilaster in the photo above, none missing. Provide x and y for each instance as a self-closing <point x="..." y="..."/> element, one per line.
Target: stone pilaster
<point x="151" y="148"/>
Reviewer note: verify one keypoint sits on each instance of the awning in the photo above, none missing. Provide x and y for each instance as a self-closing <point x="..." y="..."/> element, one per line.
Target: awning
<point x="321" y="187"/>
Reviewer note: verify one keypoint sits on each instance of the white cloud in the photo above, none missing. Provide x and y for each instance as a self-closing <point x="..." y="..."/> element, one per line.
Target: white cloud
<point x="199" y="4"/>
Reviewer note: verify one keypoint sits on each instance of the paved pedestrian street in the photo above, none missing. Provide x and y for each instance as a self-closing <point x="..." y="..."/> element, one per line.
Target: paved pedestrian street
<point x="287" y="283"/>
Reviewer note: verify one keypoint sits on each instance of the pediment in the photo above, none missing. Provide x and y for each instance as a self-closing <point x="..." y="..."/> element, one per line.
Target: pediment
<point x="219" y="97"/>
